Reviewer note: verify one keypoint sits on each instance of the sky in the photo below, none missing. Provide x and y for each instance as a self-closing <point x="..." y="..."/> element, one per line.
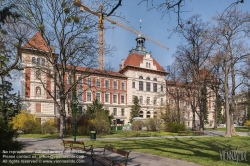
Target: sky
<point x="154" y="25"/>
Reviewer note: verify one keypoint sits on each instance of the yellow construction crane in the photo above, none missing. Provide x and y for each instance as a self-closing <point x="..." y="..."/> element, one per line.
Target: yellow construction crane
<point x="101" y="31"/>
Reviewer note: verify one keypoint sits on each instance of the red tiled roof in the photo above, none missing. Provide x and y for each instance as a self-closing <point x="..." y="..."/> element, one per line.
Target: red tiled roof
<point x="37" y="42"/>
<point x="134" y="59"/>
<point x="97" y="71"/>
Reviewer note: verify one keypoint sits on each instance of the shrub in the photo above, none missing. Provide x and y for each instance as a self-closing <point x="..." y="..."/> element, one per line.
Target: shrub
<point x="31" y="127"/>
<point x="137" y="125"/>
<point x="151" y="124"/>
<point x="48" y="127"/>
<point x="20" y="119"/>
<point x="7" y="135"/>
<point x="101" y="123"/>
<point x="175" y="127"/>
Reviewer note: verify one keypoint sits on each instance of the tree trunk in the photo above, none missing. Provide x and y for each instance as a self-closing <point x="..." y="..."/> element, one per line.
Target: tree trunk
<point x="215" y="115"/>
<point x="232" y="128"/>
<point x="193" y="124"/>
<point x="201" y="128"/>
<point x="62" y="118"/>
<point x="62" y="126"/>
<point x="228" y="128"/>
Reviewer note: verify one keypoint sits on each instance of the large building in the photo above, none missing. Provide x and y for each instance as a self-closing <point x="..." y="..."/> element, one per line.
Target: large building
<point x="139" y="75"/>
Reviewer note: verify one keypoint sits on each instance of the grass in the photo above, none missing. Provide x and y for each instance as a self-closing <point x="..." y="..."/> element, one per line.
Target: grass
<point x="201" y="150"/>
<point x="113" y="134"/>
<point x="238" y="129"/>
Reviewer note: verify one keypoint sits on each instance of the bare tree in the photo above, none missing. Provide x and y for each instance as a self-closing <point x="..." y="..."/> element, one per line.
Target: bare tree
<point x="176" y="7"/>
<point x="231" y="30"/>
<point x="191" y="57"/>
<point x="69" y="39"/>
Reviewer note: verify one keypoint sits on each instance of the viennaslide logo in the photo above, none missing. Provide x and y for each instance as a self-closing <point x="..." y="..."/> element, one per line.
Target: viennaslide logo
<point x="233" y="155"/>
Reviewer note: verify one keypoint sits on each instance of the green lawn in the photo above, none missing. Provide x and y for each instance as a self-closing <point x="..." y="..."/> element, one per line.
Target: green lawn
<point x="113" y="134"/>
<point x="201" y="150"/>
<point x="238" y="129"/>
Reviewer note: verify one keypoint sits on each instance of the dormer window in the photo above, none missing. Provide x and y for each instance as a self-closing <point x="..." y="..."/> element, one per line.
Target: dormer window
<point x="38" y="61"/>
<point x="148" y="65"/>
<point x="43" y="61"/>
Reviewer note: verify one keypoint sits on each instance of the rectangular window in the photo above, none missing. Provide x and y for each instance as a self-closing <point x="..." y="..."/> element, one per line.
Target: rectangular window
<point x="80" y="110"/>
<point x="114" y="111"/>
<point x="183" y="93"/>
<point x="133" y="84"/>
<point x="161" y="100"/>
<point x="69" y="79"/>
<point x="106" y="84"/>
<point x="106" y="97"/>
<point x="88" y="96"/>
<point x="89" y="82"/>
<point x="98" y="96"/>
<point x="141" y="100"/>
<point x="140" y="85"/>
<point x="122" y="112"/>
<point x="69" y="95"/>
<point x="172" y="102"/>
<point x="155" y="100"/>
<point x="80" y="80"/>
<point x="148" y="86"/>
<point x="114" y="98"/>
<point x="38" y="107"/>
<point x="148" y="100"/>
<point x="115" y="85"/>
<point x="155" y="87"/>
<point x="57" y="94"/>
<point x="79" y="95"/>
<point x="123" y="86"/>
<point x="122" y="99"/>
<point x="98" y="83"/>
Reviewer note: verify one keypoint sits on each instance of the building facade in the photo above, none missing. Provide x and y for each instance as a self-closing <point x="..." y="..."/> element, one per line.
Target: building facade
<point x="139" y="75"/>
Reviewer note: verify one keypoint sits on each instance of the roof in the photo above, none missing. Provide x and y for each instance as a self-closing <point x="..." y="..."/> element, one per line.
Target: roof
<point x="101" y="72"/>
<point x="37" y="42"/>
<point x="134" y="59"/>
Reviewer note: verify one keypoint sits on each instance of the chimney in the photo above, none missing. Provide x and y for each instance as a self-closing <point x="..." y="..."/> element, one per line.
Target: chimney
<point x="52" y="47"/>
<point x="122" y="63"/>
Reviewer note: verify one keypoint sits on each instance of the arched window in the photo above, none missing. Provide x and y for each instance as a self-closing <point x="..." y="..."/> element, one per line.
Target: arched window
<point x="38" y="91"/>
<point x="43" y="61"/>
<point x="155" y="114"/>
<point x="154" y="79"/>
<point x="133" y="84"/>
<point x="38" y="75"/>
<point x="141" y="114"/>
<point x="141" y="84"/>
<point x="33" y="60"/>
<point x="38" y="61"/>
<point x="148" y="114"/>
<point x="147" y="78"/>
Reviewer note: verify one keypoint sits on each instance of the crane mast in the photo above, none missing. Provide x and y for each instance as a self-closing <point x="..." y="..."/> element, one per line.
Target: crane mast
<point x="100" y="14"/>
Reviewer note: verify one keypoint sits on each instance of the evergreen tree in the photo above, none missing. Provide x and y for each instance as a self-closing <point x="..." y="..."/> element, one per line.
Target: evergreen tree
<point x="100" y="119"/>
<point x="135" y="108"/>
